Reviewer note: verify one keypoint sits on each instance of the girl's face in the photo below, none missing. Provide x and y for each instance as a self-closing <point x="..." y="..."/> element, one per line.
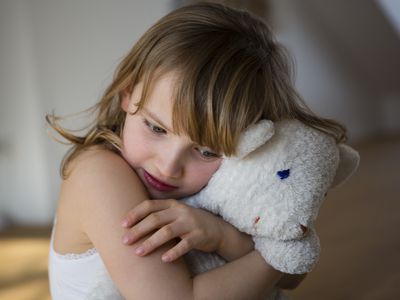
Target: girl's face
<point x="169" y="165"/>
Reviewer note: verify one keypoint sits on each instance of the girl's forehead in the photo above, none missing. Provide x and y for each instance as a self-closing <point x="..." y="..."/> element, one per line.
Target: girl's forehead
<point x="159" y="99"/>
<point x="157" y="85"/>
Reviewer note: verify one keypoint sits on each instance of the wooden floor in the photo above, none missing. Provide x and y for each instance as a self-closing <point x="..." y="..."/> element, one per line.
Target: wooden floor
<point x="359" y="228"/>
<point x="23" y="264"/>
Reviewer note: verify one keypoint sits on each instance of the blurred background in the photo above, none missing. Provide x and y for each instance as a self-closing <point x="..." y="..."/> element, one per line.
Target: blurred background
<point x="58" y="56"/>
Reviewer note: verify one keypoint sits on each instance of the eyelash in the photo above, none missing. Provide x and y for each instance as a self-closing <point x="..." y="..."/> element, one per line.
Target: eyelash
<point x="210" y="154"/>
<point x="154" y="129"/>
<point x="205" y="153"/>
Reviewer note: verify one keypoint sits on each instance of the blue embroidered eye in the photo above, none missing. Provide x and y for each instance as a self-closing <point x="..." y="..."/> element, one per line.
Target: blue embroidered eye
<point x="283" y="174"/>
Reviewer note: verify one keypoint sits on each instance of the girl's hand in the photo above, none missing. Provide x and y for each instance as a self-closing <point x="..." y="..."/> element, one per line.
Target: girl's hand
<point x="197" y="228"/>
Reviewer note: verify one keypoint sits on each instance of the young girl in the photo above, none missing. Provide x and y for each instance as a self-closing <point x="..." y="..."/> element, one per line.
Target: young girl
<point x="179" y="99"/>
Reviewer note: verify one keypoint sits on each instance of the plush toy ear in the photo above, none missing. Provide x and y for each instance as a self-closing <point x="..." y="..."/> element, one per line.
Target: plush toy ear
<point x="253" y="137"/>
<point x="348" y="164"/>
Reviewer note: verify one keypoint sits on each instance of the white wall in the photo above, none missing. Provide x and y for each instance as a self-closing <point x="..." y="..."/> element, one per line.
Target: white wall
<point x="24" y="189"/>
<point x="59" y="55"/>
<point x="54" y="55"/>
<point x="330" y="83"/>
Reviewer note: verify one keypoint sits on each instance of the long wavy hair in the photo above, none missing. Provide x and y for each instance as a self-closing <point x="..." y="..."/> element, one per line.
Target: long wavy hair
<point x="231" y="73"/>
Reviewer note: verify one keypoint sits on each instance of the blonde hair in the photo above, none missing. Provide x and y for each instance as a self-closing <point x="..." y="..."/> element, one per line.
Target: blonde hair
<point x="231" y="73"/>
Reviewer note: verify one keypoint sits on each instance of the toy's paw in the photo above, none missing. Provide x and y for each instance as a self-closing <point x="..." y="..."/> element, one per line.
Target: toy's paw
<point x="283" y="231"/>
<point x="294" y="256"/>
<point x="304" y="229"/>
<point x="291" y="231"/>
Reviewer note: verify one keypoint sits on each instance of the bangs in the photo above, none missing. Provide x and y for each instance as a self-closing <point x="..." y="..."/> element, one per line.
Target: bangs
<point x="218" y="78"/>
<point x="205" y="108"/>
<point x="215" y="102"/>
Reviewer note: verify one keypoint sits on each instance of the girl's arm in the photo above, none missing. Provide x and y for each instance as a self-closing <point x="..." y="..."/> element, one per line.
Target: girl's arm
<point x="236" y="244"/>
<point x="102" y="188"/>
<point x="197" y="229"/>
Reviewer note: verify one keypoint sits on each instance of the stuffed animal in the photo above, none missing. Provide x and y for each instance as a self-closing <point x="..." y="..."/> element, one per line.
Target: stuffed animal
<point x="272" y="190"/>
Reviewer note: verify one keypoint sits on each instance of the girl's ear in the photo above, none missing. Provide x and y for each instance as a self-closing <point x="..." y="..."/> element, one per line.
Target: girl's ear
<point x="126" y="99"/>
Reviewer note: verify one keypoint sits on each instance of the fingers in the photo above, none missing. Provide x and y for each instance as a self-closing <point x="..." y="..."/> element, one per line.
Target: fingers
<point x="186" y="244"/>
<point x="145" y="208"/>
<point x="148" y="224"/>
<point x="163" y="235"/>
<point x="164" y="220"/>
<point x="183" y="247"/>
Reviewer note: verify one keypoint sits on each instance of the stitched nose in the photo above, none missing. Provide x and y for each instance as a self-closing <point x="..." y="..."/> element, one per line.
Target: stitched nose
<point x="283" y="174"/>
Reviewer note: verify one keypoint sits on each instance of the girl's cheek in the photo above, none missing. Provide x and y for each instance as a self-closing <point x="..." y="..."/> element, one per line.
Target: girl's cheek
<point x="202" y="172"/>
<point x="140" y="152"/>
<point x="135" y="148"/>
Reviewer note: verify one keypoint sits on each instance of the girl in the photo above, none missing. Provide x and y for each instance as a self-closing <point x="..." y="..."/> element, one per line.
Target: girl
<point x="179" y="99"/>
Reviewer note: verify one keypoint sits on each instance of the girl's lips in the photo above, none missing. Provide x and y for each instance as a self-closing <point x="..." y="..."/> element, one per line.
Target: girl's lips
<point x="157" y="184"/>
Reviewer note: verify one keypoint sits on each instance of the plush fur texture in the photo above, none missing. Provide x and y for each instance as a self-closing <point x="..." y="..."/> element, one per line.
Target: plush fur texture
<point x="273" y="188"/>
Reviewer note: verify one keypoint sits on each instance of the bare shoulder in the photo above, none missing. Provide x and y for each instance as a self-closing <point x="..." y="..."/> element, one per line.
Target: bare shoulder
<point x="98" y="164"/>
<point x="101" y="179"/>
<point x="99" y="184"/>
<point x="101" y="188"/>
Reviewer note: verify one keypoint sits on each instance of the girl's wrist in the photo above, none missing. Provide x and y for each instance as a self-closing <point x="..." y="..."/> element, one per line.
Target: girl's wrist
<point x="233" y="244"/>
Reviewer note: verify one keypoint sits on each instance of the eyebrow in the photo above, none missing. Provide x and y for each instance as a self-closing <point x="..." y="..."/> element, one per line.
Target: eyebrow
<point x="155" y="118"/>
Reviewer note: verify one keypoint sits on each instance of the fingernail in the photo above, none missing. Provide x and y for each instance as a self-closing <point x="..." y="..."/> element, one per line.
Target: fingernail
<point x="125" y="240"/>
<point x="125" y="223"/>
<point x="166" y="258"/>
<point x="139" y="250"/>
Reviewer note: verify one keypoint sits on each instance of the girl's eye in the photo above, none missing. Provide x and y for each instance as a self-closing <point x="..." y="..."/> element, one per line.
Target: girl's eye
<point x="207" y="153"/>
<point x="155" y="129"/>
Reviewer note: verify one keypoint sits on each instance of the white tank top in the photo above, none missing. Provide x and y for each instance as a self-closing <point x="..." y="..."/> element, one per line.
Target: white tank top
<point x="84" y="276"/>
<point x="79" y="276"/>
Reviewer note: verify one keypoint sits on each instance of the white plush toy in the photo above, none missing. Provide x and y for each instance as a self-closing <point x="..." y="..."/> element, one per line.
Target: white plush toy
<point x="272" y="190"/>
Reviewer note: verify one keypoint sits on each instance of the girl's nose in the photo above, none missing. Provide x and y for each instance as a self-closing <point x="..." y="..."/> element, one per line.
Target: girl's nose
<point x="171" y="165"/>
